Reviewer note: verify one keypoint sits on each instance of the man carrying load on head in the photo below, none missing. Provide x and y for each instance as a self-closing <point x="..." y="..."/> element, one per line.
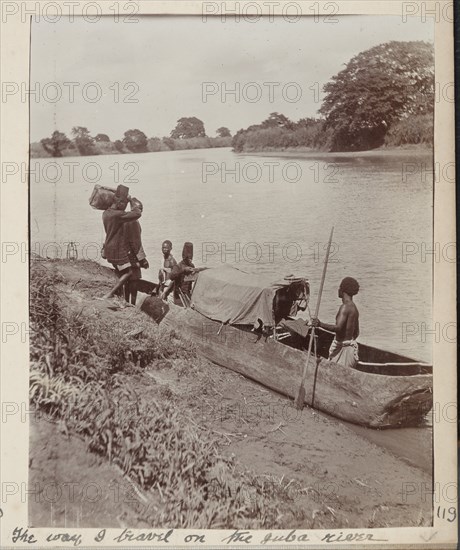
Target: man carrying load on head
<point x="122" y="247"/>
<point x="344" y="348"/>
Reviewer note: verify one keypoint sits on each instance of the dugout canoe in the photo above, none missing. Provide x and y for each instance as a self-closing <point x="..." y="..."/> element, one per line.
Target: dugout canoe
<point x="385" y="390"/>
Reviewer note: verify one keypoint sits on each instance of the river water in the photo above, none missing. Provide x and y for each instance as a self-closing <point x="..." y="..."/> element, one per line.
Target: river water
<point x="269" y="214"/>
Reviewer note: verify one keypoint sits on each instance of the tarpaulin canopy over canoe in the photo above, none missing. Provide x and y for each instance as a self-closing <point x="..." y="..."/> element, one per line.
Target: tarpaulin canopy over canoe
<point x="232" y="296"/>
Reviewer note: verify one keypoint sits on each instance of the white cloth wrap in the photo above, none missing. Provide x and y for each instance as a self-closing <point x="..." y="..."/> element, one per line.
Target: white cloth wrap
<point x="344" y="353"/>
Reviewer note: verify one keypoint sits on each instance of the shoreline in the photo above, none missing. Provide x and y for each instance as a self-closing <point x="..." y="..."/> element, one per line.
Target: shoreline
<point x="35" y="152"/>
<point x="300" y="152"/>
<point x="256" y="430"/>
<point x="315" y="154"/>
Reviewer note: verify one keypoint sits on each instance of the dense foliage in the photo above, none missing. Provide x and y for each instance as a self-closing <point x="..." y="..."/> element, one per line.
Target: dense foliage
<point x="188" y="127"/>
<point x="384" y="95"/>
<point x="411" y="130"/>
<point x="83" y="140"/>
<point x="278" y="132"/>
<point x="135" y="141"/>
<point x="102" y="137"/>
<point x="377" y="89"/>
<point x="55" y="144"/>
<point x="223" y="132"/>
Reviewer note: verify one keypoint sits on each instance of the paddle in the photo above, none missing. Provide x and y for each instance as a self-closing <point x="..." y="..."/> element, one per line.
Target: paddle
<point x="300" y="399"/>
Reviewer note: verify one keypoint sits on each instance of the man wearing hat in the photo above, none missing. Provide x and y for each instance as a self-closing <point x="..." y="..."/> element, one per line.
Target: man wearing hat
<point x="344" y="348"/>
<point x="181" y="270"/>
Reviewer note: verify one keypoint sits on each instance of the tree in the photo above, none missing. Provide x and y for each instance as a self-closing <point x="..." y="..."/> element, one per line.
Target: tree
<point x="56" y="143"/>
<point x="102" y="137"/>
<point x="377" y="88"/>
<point x="188" y="127"/>
<point x="223" y="132"/>
<point x="305" y="123"/>
<point x="277" y="120"/>
<point x="83" y="140"/>
<point x="119" y="146"/>
<point x="135" y="141"/>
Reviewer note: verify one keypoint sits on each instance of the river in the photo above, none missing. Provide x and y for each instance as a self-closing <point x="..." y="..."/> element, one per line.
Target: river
<point x="271" y="214"/>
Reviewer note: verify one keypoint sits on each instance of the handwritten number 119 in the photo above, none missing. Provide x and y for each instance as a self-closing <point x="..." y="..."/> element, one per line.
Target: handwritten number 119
<point x="450" y="512"/>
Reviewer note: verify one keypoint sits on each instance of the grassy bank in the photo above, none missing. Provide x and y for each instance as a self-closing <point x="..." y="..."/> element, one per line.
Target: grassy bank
<point x="89" y="374"/>
<point x="204" y="446"/>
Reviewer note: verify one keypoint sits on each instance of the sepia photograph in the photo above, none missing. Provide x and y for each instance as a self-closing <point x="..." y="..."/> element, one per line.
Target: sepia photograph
<point x="231" y="266"/>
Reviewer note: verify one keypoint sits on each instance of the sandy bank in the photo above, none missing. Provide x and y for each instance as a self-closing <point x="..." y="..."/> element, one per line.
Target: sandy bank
<point x="330" y="475"/>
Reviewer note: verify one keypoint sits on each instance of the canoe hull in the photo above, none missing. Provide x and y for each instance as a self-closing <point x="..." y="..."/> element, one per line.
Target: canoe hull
<point x="372" y="400"/>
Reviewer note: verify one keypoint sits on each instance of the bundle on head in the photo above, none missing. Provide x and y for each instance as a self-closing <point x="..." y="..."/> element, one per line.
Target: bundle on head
<point x="102" y="197"/>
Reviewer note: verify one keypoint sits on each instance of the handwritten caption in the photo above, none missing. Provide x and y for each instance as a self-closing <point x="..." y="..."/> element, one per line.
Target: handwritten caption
<point x="239" y="537"/>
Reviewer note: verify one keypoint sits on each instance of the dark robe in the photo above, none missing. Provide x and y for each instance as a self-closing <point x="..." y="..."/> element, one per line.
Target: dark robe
<point x="132" y="234"/>
<point x="116" y="246"/>
<point x="178" y="275"/>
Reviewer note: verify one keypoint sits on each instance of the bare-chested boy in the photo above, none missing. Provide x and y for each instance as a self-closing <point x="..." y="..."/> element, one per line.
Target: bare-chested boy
<point x="344" y="348"/>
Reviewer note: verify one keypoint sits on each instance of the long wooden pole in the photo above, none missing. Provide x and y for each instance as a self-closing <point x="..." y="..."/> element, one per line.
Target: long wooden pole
<point x="300" y="398"/>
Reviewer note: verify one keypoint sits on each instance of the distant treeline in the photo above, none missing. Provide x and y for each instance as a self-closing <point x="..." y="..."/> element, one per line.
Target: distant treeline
<point x="153" y="145"/>
<point x="313" y="134"/>
<point x="383" y="97"/>
<point x="189" y="133"/>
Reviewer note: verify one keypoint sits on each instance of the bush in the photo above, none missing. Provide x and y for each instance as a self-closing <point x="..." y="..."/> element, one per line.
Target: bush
<point x="38" y="151"/>
<point x="311" y="135"/>
<point x="412" y="130"/>
<point x="106" y="148"/>
<point x="156" y="144"/>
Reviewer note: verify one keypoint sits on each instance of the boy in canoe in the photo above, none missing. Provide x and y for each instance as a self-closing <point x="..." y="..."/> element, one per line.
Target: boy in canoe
<point x="164" y="275"/>
<point x="344" y="348"/>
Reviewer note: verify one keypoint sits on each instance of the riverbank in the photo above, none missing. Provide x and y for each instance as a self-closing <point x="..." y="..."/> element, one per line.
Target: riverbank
<point x="37" y="150"/>
<point x="306" y="153"/>
<point x="153" y="145"/>
<point x="195" y="444"/>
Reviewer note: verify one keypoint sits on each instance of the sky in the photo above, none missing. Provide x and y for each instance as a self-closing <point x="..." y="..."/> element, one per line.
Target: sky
<point x="148" y="74"/>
